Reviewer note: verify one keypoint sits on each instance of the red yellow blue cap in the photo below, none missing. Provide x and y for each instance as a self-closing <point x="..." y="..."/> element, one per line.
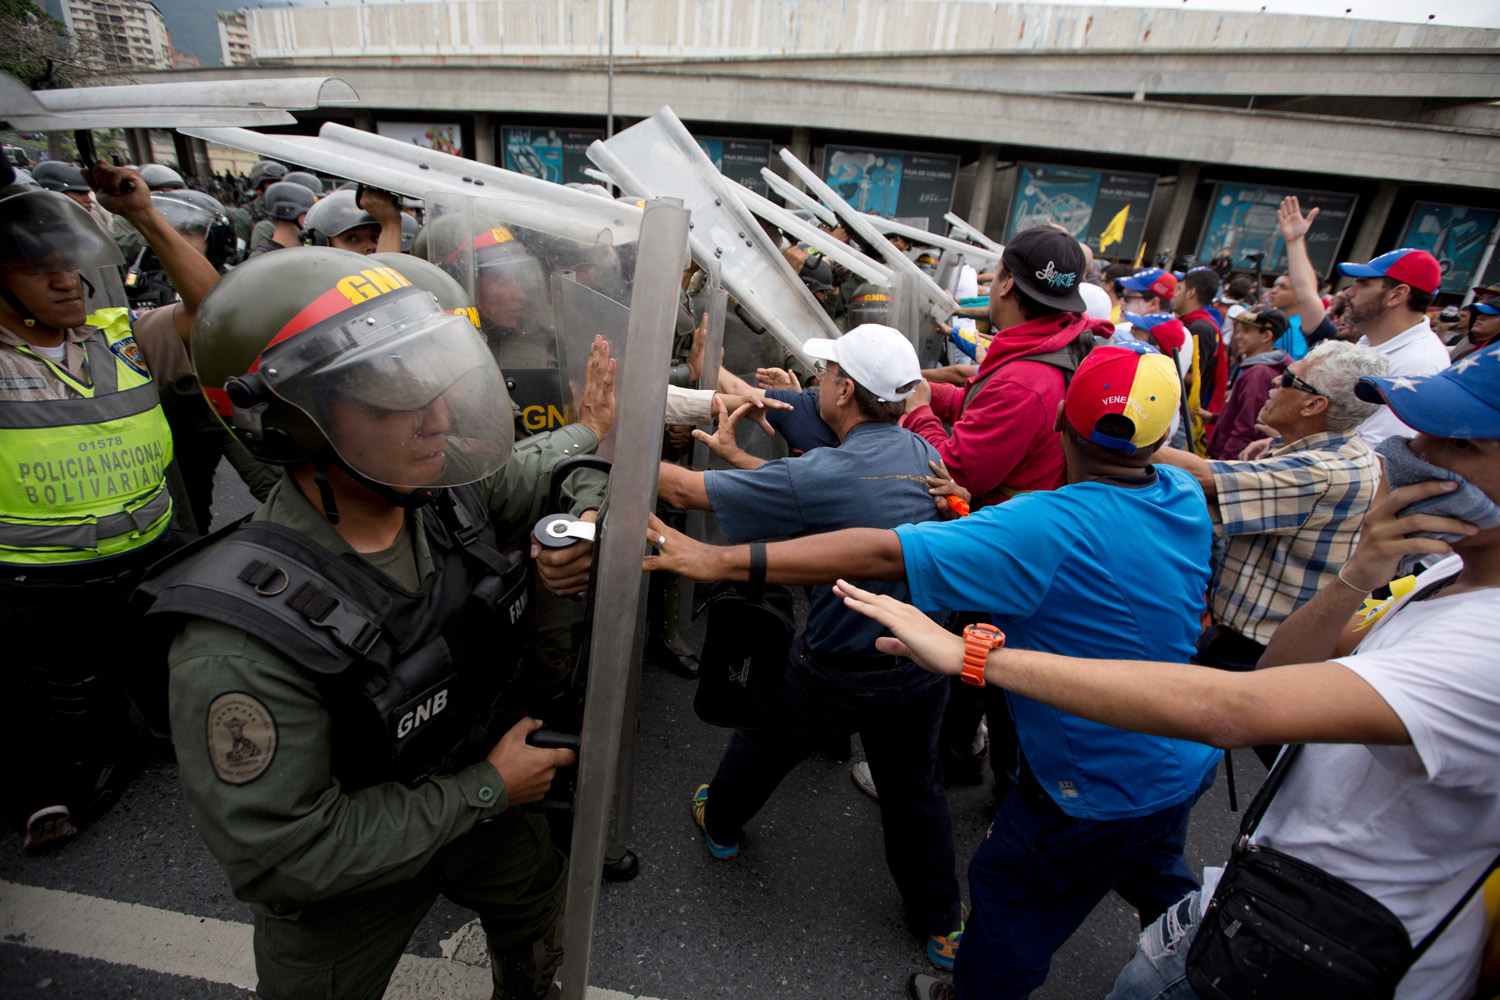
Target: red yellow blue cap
<point x="1131" y="380"/>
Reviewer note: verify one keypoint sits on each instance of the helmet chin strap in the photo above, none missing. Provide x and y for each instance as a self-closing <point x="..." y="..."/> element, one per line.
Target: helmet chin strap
<point x="409" y="500"/>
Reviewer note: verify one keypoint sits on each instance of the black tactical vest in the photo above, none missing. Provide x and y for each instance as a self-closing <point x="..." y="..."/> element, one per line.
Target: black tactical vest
<point x="415" y="683"/>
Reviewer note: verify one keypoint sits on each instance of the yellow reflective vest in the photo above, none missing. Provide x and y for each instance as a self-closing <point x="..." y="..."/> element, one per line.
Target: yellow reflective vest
<point x="84" y="477"/>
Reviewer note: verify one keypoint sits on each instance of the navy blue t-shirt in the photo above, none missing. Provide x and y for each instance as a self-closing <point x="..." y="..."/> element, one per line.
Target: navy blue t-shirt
<point x="875" y="479"/>
<point x="1113" y="570"/>
<point x="802" y="426"/>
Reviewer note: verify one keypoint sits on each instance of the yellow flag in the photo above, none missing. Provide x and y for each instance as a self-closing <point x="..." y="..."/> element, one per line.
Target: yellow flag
<point x="1115" y="231"/>
<point x="1140" y="254"/>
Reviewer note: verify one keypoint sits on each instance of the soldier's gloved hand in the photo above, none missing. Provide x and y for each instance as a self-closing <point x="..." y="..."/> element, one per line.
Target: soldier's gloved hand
<point x="565" y="571"/>
<point x="527" y="770"/>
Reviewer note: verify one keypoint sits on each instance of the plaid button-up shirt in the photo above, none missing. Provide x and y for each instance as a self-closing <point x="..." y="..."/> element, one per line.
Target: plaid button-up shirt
<point x="1292" y="519"/>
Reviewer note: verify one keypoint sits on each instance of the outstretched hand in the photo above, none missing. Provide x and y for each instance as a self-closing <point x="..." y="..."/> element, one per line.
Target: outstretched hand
<point x="777" y="378"/>
<point x="1290" y="222"/>
<point x="677" y="553"/>
<point x="596" y="407"/>
<point x="917" y="637"/>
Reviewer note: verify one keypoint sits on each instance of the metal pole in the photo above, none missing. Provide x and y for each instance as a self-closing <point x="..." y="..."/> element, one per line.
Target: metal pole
<point x="619" y="582"/>
<point x="609" y="117"/>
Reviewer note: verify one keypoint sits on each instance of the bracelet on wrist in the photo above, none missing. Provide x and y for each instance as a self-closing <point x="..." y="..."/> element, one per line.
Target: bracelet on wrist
<point x="1345" y="581"/>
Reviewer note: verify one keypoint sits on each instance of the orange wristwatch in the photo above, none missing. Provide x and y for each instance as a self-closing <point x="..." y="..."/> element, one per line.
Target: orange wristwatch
<point x="978" y="641"/>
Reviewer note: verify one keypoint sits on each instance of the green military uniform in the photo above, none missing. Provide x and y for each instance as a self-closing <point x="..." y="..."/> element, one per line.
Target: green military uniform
<point x="339" y="877"/>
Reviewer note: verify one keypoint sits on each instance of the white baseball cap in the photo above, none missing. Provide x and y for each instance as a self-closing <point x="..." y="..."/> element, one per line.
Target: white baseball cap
<point x="877" y="357"/>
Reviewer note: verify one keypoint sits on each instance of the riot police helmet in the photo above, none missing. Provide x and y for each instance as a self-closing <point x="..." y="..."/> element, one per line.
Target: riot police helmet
<point x="409" y="229"/>
<point x="288" y="200"/>
<point x="335" y="216"/>
<point x="319" y="355"/>
<point x="870" y="304"/>
<point x="55" y="175"/>
<point x="160" y="178"/>
<point x="817" y="273"/>
<point x="307" y="180"/>
<point x="265" y="172"/>
<point x="199" y="217"/>
<point x="450" y="295"/>
<point x="41" y="233"/>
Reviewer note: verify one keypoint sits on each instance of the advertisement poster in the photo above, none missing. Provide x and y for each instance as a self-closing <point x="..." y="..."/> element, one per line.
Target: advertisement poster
<point x="739" y="159"/>
<point x="1106" y="209"/>
<point x="443" y="137"/>
<point x="916" y="188"/>
<point x="553" y="154"/>
<point x="1456" y="235"/>
<point x="1242" y="221"/>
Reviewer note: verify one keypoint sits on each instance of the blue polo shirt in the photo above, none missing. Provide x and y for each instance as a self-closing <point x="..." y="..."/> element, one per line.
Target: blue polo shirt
<point x="1109" y="569"/>
<point x="875" y="479"/>
<point x="802" y="426"/>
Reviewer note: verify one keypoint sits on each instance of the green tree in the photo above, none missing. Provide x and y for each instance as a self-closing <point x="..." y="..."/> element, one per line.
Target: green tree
<point x="36" y="49"/>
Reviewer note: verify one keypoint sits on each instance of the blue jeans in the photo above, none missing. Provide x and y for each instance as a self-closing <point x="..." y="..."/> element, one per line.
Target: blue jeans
<point x="1158" y="969"/>
<point x="897" y="712"/>
<point x="1039" y="873"/>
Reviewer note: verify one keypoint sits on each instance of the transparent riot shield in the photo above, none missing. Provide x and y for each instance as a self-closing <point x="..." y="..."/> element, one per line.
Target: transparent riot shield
<point x="618" y="586"/>
<point x="541" y="294"/>
<point x="104" y="288"/>
<point x="659" y="157"/>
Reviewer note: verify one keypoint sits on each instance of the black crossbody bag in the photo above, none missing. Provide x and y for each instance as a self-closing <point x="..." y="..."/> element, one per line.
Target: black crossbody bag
<point x="1281" y="929"/>
<point x="749" y="632"/>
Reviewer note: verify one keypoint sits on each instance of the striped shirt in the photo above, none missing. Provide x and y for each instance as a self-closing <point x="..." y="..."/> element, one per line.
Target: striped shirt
<point x="1292" y="519"/>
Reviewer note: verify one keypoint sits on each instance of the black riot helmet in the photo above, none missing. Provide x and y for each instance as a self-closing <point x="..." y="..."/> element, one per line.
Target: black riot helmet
<point x="307" y="180"/>
<point x="195" y="214"/>
<point x="333" y="216"/>
<point x="44" y="231"/>
<point x="160" y="178"/>
<point x="288" y="200"/>
<point x="265" y="172"/>
<point x="817" y="273"/>
<point x="55" y="175"/>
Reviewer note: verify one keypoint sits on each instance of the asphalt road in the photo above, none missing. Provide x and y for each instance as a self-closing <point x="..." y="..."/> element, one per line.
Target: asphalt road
<point x="807" y="910"/>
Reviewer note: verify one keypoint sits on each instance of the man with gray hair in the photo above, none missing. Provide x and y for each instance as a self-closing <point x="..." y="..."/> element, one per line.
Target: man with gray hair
<point x="1291" y="517"/>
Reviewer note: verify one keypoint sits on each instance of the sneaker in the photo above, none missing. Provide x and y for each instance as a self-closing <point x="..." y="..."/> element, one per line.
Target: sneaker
<point x="47" y="827"/>
<point x="921" y="986"/>
<point x="718" y="850"/>
<point x="942" y="949"/>
<point x="863" y="779"/>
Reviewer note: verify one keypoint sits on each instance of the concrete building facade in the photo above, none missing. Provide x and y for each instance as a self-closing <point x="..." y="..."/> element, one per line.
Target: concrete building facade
<point x="122" y="34"/>
<point x="1395" y="127"/>
<point x="234" y="38"/>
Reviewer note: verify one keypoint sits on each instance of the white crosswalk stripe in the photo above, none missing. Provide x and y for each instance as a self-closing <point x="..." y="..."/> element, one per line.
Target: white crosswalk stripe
<point x="181" y="944"/>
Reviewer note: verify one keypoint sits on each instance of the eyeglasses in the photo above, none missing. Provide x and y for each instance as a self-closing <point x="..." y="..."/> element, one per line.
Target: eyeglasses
<point x="1289" y="380"/>
<point x="820" y="368"/>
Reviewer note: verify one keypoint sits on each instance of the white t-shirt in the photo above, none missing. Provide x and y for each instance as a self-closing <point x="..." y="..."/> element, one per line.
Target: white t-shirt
<point x="1416" y="351"/>
<point x="1413" y="826"/>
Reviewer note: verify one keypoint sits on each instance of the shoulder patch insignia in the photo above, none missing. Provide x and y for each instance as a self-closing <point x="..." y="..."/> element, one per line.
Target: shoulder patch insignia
<point x="241" y="737"/>
<point x="128" y="351"/>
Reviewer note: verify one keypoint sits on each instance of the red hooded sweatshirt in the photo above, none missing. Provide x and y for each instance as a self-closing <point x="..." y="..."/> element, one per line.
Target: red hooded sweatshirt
<point x="1002" y="441"/>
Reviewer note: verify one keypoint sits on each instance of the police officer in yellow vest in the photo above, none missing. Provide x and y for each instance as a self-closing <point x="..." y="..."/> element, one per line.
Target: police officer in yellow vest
<point x="83" y="505"/>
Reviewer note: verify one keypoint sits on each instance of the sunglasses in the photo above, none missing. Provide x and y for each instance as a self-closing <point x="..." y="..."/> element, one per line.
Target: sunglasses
<point x="1289" y="380"/>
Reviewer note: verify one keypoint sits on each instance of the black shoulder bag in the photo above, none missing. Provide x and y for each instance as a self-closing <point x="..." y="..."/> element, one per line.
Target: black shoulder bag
<point x="749" y="632"/>
<point x="1281" y="929"/>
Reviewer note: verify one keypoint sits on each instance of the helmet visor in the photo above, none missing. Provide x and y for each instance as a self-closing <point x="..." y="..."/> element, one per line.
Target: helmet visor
<point x="408" y="396"/>
<point x="43" y="231"/>
<point x="187" y="218"/>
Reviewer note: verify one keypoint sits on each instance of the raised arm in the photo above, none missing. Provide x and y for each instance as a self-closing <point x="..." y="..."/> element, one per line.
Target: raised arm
<point x="1293" y="226"/>
<point x="190" y="273"/>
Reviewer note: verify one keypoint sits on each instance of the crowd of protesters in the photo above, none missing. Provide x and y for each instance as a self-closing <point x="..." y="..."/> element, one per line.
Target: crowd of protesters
<point x="1142" y="516"/>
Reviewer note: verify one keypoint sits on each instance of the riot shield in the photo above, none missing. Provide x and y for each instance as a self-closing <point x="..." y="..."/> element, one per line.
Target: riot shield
<point x="659" y="157"/>
<point x="541" y="295"/>
<point x="618" y="586"/>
